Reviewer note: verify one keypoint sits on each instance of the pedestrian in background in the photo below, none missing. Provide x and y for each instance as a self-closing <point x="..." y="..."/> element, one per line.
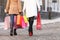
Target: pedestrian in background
<point x="13" y="7"/>
<point x="31" y="11"/>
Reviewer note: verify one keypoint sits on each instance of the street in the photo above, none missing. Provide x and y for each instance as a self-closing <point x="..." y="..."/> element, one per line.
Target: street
<point x="50" y="27"/>
<point x="49" y="31"/>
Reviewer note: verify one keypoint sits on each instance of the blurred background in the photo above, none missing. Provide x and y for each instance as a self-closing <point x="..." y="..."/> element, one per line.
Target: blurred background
<point x="50" y="9"/>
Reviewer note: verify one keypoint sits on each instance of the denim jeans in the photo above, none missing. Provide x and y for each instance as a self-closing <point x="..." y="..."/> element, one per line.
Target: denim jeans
<point x="12" y="21"/>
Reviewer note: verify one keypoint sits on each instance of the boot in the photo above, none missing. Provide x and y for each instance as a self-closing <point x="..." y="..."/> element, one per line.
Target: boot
<point x="15" y="32"/>
<point x="11" y="33"/>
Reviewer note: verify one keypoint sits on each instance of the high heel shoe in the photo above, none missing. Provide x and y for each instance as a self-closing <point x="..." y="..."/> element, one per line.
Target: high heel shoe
<point x="15" y="33"/>
<point x="30" y="33"/>
<point x="11" y="34"/>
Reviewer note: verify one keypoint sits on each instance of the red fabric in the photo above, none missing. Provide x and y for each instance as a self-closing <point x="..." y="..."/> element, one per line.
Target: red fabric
<point x="38" y="25"/>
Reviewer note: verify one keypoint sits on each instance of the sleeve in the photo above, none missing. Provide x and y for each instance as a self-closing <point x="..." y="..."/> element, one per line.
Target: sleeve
<point x="38" y="5"/>
<point x="7" y="6"/>
<point x="19" y="5"/>
<point x="22" y="0"/>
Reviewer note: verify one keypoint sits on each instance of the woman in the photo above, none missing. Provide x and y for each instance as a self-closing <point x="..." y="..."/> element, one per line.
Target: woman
<point x="31" y="11"/>
<point x="13" y="7"/>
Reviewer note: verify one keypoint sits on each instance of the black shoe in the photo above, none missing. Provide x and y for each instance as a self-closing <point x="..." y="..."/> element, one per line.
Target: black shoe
<point x="15" y="32"/>
<point x="11" y="34"/>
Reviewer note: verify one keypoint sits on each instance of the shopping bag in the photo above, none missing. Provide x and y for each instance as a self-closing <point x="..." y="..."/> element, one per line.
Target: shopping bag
<point x="24" y="25"/>
<point x="25" y="19"/>
<point x="19" y="21"/>
<point x="15" y="19"/>
<point x="7" y="22"/>
<point x="16" y="26"/>
<point x="38" y="25"/>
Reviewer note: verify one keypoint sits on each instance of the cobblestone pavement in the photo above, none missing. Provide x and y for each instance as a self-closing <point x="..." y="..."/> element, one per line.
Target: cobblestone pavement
<point x="48" y="32"/>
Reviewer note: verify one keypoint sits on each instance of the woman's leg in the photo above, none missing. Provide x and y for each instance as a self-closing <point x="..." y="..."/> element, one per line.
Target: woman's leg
<point x="31" y="20"/>
<point x="13" y="30"/>
<point x="15" y="33"/>
<point x="15" y="16"/>
<point x="11" y="24"/>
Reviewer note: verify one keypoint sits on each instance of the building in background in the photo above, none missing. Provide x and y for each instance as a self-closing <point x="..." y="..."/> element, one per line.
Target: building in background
<point x="2" y="14"/>
<point x="54" y="4"/>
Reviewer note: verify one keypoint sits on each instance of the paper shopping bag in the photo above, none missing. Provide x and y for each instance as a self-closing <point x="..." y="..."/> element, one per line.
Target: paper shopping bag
<point x="38" y="25"/>
<point x="19" y="21"/>
<point x="7" y="22"/>
<point x="25" y="19"/>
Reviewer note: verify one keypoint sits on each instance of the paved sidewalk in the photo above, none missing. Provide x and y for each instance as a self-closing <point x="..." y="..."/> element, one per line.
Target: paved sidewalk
<point x="49" y="31"/>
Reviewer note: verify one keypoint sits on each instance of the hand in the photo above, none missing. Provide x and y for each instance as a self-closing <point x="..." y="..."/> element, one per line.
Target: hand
<point x="21" y="13"/>
<point x="5" y="11"/>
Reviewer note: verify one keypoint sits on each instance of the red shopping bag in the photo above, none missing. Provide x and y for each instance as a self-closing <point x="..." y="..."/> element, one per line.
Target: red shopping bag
<point x="7" y="22"/>
<point x="38" y="25"/>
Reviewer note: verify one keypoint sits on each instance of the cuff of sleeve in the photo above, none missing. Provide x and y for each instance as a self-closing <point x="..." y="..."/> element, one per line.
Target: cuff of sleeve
<point x="5" y="11"/>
